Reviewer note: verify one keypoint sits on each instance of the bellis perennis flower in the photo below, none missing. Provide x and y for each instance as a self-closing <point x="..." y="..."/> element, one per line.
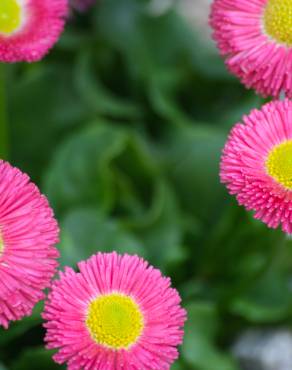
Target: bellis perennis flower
<point x="28" y="233"/>
<point x="256" y="38"/>
<point x="29" y="28"/>
<point x="256" y="164"/>
<point x="116" y="313"/>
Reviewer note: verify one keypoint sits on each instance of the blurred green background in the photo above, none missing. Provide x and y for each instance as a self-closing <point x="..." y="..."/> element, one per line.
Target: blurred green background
<point x="122" y="126"/>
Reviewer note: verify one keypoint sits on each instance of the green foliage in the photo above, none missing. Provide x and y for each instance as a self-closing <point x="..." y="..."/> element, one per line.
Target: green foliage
<point x="122" y="127"/>
<point x="201" y="330"/>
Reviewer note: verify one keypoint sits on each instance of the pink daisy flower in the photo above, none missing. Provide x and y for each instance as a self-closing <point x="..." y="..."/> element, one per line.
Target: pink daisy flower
<point x="116" y="313"/>
<point x="29" y="28"/>
<point x="256" y="38"/>
<point x="256" y="164"/>
<point x="28" y="232"/>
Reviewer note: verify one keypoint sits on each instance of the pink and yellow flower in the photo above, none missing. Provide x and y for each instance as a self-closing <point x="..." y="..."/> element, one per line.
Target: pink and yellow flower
<point x="256" y="164"/>
<point x="116" y="313"/>
<point x="256" y="38"/>
<point x="28" y="232"/>
<point x="29" y="28"/>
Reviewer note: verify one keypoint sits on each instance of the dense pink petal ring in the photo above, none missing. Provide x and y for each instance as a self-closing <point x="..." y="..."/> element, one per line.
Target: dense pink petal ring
<point x="256" y="164"/>
<point x="30" y="28"/>
<point x="28" y="233"/>
<point x="255" y="36"/>
<point x="117" y="313"/>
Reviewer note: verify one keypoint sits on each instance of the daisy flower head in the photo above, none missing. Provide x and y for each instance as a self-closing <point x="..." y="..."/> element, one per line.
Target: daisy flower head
<point x="256" y="164"/>
<point x="28" y="232"/>
<point x="116" y="313"/>
<point x="29" y="28"/>
<point x="256" y="38"/>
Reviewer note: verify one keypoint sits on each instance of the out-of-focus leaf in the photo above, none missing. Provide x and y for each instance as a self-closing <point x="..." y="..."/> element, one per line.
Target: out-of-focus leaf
<point x="34" y="359"/>
<point x="178" y="365"/>
<point x="237" y="111"/>
<point x="193" y="154"/>
<point x="268" y="300"/>
<point x="80" y="174"/>
<point x="162" y="229"/>
<point x="198" y="38"/>
<point x="96" y="96"/>
<point x="199" y="347"/>
<point x="75" y="39"/>
<point x="105" y="166"/>
<point x="43" y="105"/>
<point x="158" y="51"/>
<point x="86" y="232"/>
<point x="245" y="256"/>
<point x="18" y="328"/>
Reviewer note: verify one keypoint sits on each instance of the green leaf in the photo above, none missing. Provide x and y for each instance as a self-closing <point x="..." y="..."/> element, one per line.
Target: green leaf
<point x="178" y="365"/>
<point x="193" y="154"/>
<point x="105" y="166"/>
<point x="199" y="348"/>
<point x="96" y="96"/>
<point x="40" y="112"/>
<point x="86" y="232"/>
<point x="34" y="359"/>
<point x="80" y="174"/>
<point x="267" y="300"/>
<point x="18" y="328"/>
<point x="161" y="228"/>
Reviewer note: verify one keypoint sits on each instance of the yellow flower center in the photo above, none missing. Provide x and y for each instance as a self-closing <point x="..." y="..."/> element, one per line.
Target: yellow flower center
<point x="115" y="321"/>
<point x="10" y="16"/>
<point x="278" y="20"/>
<point x="279" y="164"/>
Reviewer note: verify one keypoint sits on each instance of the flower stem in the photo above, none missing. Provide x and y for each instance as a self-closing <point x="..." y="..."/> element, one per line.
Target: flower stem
<point x="4" y="142"/>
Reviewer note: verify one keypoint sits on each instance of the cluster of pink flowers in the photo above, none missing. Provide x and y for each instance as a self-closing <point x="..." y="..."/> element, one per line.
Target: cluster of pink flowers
<point x="256" y="166"/>
<point x="117" y="312"/>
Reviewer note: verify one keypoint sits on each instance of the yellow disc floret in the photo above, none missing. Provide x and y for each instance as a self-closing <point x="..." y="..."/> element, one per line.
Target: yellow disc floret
<point x="278" y="20"/>
<point x="115" y="321"/>
<point x="279" y="164"/>
<point x="10" y="16"/>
